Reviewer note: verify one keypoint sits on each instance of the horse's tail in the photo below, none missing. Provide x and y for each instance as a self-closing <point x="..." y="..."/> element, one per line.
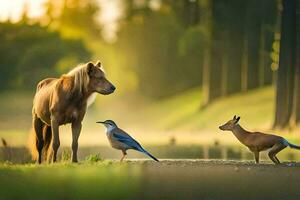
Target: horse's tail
<point x="47" y="136"/>
<point x="32" y="142"/>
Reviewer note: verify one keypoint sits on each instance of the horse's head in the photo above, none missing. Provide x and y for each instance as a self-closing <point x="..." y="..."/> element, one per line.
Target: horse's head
<point x="97" y="80"/>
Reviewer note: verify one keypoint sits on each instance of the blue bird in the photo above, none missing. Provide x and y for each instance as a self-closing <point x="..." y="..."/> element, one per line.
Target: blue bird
<point x="121" y="140"/>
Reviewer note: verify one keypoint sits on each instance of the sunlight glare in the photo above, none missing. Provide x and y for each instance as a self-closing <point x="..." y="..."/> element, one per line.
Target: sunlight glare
<point x="12" y="10"/>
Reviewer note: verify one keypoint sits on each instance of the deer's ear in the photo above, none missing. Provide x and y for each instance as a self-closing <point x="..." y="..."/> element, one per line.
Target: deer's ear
<point x="237" y="120"/>
<point x="234" y="117"/>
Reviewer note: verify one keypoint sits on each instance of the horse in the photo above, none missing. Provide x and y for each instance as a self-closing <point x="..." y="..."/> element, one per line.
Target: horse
<point x="64" y="100"/>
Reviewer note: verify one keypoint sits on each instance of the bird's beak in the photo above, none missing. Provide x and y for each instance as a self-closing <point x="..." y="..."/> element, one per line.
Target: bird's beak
<point x="100" y="122"/>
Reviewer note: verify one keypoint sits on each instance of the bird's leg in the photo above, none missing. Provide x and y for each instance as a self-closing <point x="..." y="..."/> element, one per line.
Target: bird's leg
<point x="124" y="154"/>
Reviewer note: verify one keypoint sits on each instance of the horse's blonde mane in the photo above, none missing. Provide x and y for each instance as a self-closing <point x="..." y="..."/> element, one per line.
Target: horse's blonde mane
<point x="81" y="78"/>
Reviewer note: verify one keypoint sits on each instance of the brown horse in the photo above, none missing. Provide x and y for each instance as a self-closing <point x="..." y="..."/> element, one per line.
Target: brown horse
<point x="61" y="101"/>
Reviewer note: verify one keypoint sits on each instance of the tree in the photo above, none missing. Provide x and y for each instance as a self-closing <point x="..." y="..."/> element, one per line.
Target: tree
<point x="295" y="116"/>
<point x="287" y="93"/>
<point x="29" y="53"/>
<point x="222" y="72"/>
<point x="241" y="39"/>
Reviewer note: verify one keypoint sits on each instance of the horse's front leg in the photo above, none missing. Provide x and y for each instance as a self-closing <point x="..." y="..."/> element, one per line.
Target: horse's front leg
<point x="76" y="129"/>
<point x="55" y="140"/>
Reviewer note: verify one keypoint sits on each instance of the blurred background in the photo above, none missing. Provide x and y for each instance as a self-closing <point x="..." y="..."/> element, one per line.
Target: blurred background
<point x="181" y="68"/>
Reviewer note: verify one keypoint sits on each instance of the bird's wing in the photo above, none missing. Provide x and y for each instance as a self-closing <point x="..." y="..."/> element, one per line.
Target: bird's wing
<point x="123" y="137"/>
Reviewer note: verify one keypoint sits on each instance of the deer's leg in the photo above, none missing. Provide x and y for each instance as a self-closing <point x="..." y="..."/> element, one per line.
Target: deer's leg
<point x="76" y="129"/>
<point x="278" y="161"/>
<point x="38" y="128"/>
<point x="55" y="138"/>
<point x="274" y="150"/>
<point x="256" y="156"/>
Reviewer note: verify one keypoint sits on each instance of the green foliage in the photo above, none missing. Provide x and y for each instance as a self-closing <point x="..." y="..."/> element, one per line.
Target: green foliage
<point x="192" y="39"/>
<point x="29" y="53"/>
<point x="66" y="156"/>
<point x="94" y="158"/>
<point x="165" y="46"/>
<point x="77" y="18"/>
<point x="152" y="54"/>
<point x="165" y="56"/>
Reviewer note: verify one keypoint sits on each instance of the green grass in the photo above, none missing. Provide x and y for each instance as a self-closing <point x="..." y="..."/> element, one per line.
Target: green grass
<point x="69" y="181"/>
<point x="157" y="121"/>
<point x="169" y="179"/>
<point x="179" y="112"/>
<point x="183" y="112"/>
<point x="179" y="116"/>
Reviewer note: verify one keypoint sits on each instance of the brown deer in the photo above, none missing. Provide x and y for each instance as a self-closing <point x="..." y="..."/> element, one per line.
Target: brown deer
<point x="64" y="100"/>
<point x="257" y="141"/>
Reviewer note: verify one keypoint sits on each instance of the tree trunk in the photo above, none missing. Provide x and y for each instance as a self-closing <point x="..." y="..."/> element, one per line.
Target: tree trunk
<point x="235" y="23"/>
<point x="285" y="78"/>
<point x="212" y="74"/>
<point x="253" y="29"/>
<point x="295" y="116"/>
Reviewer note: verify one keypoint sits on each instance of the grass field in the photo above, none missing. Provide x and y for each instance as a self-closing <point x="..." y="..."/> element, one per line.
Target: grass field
<point x="153" y="123"/>
<point x="177" y="119"/>
<point x="171" y="129"/>
<point x="141" y="179"/>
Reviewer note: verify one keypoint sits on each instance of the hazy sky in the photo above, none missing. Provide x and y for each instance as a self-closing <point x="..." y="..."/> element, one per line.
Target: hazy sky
<point x="13" y="8"/>
<point x="111" y="11"/>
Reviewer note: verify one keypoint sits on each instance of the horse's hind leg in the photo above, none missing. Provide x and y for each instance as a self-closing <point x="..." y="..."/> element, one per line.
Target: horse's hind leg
<point x="38" y="128"/>
<point x="47" y="135"/>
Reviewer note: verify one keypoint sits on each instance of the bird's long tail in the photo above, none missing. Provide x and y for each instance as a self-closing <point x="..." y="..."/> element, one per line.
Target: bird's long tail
<point x="148" y="154"/>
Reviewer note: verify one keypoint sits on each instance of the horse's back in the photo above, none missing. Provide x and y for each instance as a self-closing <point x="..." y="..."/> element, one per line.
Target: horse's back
<point x="45" y="82"/>
<point x="42" y="98"/>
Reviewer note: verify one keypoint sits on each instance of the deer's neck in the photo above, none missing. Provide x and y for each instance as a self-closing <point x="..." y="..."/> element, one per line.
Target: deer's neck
<point x="240" y="133"/>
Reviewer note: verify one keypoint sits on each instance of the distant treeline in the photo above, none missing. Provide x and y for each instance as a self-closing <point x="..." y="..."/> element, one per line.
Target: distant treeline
<point x="227" y="46"/>
<point x="169" y="45"/>
<point x="165" y="47"/>
<point x="238" y="57"/>
<point x="29" y="53"/>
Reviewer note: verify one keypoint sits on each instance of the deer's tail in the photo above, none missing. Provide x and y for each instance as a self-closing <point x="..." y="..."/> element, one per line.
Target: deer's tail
<point x="293" y="146"/>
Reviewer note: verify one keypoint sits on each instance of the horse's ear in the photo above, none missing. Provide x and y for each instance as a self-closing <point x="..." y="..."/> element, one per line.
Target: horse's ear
<point x="90" y="67"/>
<point x="98" y="64"/>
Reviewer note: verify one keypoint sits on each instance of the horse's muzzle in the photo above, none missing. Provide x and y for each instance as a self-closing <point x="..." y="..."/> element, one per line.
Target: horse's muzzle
<point x="108" y="91"/>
